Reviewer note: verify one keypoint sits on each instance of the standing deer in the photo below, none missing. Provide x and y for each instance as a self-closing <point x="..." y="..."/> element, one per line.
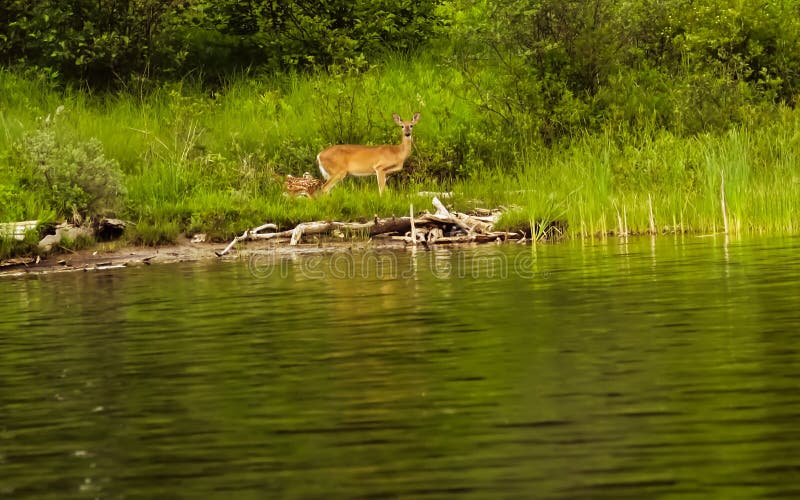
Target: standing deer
<point x="337" y="161"/>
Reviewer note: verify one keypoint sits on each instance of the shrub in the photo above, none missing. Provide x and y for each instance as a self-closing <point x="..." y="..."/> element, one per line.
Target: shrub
<point x="567" y="66"/>
<point x="80" y="180"/>
<point x="103" y="42"/>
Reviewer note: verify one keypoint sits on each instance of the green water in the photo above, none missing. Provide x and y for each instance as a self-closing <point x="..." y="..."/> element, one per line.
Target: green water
<point x="605" y="370"/>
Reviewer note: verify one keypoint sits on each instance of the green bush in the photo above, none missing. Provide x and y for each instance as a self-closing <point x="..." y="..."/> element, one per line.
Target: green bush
<point x="97" y="42"/>
<point x="304" y="32"/>
<point x="106" y="42"/>
<point x="80" y="180"/>
<point x="558" y="67"/>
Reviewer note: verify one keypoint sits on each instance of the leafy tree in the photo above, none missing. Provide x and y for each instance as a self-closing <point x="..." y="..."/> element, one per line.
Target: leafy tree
<point x="102" y="41"/>
<point x="92" y="41"/>
<point x="567" y="65"/>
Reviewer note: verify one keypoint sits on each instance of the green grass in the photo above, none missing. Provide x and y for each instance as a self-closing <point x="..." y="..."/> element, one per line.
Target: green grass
<point x="10" y="247"/>
<point x="597" y="181"/>
<point x="194" y="161"/>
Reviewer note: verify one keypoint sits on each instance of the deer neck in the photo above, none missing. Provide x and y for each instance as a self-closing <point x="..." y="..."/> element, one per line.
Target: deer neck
<point x="405" y="145"/>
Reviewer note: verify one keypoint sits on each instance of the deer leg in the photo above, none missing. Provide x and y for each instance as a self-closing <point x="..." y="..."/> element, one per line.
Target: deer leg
<point x="381" y="180"/>
<point x="332" y="181"/>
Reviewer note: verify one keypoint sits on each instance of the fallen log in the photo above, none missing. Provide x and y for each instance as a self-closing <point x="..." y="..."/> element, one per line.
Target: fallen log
<point x="250" y="233"/>
<point x="480" y="238"/>
<point x="295" y="235"/>
<point x="17" y="230"/>
<point x="109" y="229"/>
<point x="399" y="225"/>
<point x="426" y="229"/>
<point x="444" y="240"/>
<point x="68" y="231"/>
<point x="413" y="226"/>
<point x="441" y="210"/>
<point x="18" y="262"/>
<point x="324" y="227"/>
<point x="480" y="224"/>
<point x="445" y="195"/>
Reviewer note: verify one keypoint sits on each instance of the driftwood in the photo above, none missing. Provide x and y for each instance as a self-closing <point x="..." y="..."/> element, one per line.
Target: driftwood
<point x="441" y="210"/>
<point x="413" y="226"/>
<point x="398" y="225"/>
<point x="250" y="234"/>
<point x="444" y="195"/>
<point x="63" y="231"/>
<point x="439" y="228"/>
<point x="102" y="229"/>
<point x="17" y="230"/>
<point x="109" y="229"/>
<point x="325" y="227"/>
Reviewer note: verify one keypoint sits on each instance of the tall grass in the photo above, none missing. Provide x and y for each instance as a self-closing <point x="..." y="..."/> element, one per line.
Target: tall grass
<point x="598" y="180"/>
<point x="214" y="162"/>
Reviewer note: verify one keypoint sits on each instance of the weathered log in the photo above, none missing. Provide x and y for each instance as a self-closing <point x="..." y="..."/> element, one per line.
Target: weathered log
<point x="232" y="243"/>
<point x="434" y="234"/>
<point x="413" y="227"/>
<point x="444" y="240"/>
<point x="437" y="219"/>
<point x="475" y="224"/>
<point x="254" y="233"/>
<point x="271" y="236"/>
<point x="487" y="219"/>
<point x="17" y="262"/>
<point x="426" y="229"/>
<point x="263" y="227"/>
<point x="324" y="227"/>
<point x="464" y="222"/>
<point x="309" y="228"/>
<point x="109" y="229"/>
<point x="17" y="230"/>
<point x="63" y="231"/>
<point x="444" y="195"/>
<point x="391" y="225"/>
<point x="441" y="210"/>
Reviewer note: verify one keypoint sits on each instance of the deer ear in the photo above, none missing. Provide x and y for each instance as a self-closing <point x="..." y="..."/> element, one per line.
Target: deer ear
<point x="415" y="119"/>
<point x="397" y="119"/>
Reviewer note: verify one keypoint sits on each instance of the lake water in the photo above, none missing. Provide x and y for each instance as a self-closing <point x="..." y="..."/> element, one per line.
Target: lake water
<point x="667" y="367"/>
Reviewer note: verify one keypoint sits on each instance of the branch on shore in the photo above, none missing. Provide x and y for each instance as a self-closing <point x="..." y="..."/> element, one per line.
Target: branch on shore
<point x="104" y="229"/>
<point x="440" y="227"/>
<point x="17" y="230"/>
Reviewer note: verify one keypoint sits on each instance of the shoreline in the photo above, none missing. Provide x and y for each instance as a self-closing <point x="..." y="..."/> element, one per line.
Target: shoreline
<point x="184" y="250"/>
<point x="104" y="256"/>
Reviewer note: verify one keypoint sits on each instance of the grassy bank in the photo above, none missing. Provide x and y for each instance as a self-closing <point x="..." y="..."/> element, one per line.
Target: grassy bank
<point x="600" y="182"/>
<point x="181" y="159"/>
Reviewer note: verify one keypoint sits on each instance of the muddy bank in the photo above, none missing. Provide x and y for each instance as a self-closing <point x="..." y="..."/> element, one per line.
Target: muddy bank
<point x="107" y="256"/>
<point x="427" y="229"/>
<point x="103" y="258"/>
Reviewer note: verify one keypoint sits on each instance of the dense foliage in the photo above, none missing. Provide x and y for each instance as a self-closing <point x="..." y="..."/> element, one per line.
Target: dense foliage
<point x="565" y="65"/>
<point x="550" y="67"/>
<point x="110" y="41"/>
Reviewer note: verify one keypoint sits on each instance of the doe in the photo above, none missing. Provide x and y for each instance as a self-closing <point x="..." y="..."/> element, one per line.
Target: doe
<point x="337" y="161"/>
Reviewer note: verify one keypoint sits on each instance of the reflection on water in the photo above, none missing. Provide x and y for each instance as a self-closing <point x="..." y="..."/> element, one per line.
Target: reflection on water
<point x="623" y="369"/>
